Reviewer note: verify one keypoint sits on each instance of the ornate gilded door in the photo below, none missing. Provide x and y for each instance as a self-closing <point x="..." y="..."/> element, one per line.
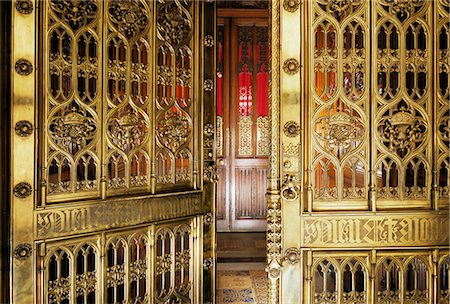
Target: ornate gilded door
<point x="242" y="122"/>
<point x="358" y="176"/>
<point x="112" y="151"/>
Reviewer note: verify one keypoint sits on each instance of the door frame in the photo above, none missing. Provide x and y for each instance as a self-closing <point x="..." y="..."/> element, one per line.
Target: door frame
<point x="34" y="227"/>
<point x="5" y="120"/>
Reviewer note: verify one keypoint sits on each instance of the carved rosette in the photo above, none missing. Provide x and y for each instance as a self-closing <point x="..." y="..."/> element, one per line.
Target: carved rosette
<point x="291" y="5"/>
<point x="23" y="67"/>
<point x="174" y="23"/>
<point x="24" y="128"/>
<point x="291" y="129"/>
<point x="292" y="255"/>
<point x="208" y="41"/>
<point x="128" y="16"/>
<point x="24" y="6"/>
<point x="23" y="251"/>
<point x="22" y="190"/>
<point x="208" y="263"/>
<point x="291" y="66"/>
<point x="208" y="85"/>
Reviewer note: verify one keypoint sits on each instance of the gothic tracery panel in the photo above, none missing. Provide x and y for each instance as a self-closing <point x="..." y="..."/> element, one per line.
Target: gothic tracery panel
<point x="72" y="107"/>
<point x="174" y="97"/>
<point x="132" y="268"/>
<point x="340" y="107"/>
<point x="403" y="121"/>
<point x="101" y="133"/>
<point x="127" y="119"/>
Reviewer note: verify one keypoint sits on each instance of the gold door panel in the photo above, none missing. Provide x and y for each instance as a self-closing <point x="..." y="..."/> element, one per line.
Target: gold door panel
<point x="113" y="167"/>
<point x="357" y="199"/>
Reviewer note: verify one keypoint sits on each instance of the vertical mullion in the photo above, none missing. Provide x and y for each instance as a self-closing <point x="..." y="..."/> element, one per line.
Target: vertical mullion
<point x="435" y="107"/>
<point x="373" y="105"/>
<point x="104" y="85"/>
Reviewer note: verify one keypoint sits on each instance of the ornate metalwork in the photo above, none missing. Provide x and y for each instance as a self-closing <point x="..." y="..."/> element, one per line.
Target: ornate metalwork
<point x="263" y="135"/>
<point x="219" y="135"/>
<point x="174" y="23"/>
<point x="292" y="255"/>
<point x="291" y="66"/>
<point x="291" y="5"/>
<point x="23" y="67"/>
<point x="245" y="147"/>
<point x="209" y="218"/>
<point x="22" y="190"/>
<point x="208" y="85"/>
<point x="129" y="17"/>
<point x="290" y="188"/>
<point x="23" y="251"/>
<point x="208" y="263"/>
<point x="210" y="174"/>
<point x="291" y="129"/>
<point x="403" y="9"/>
<point x="208" y="41"/>
<point x="75" y="14"/>
<point x="24" y="6"/>
<point x="24" y="128"/>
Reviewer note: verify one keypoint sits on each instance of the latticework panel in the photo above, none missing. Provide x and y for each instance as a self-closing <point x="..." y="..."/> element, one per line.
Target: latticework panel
<point x="340" y="107"/>
<point x="392" y="277"/>
<point x="174" y="96"/>
<point x="73" y="92"/>
<point x="113" y="103"/>
<point x="157" y="260"/>
<point x="340" y="280"/>
<point x="127" y="121"/>
<point x="403" y="120"/>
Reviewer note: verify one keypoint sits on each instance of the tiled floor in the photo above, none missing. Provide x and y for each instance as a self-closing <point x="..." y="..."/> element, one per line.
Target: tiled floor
<point x="240" y="270"/>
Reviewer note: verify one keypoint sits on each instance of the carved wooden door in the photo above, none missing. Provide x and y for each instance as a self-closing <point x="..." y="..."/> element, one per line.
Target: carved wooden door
<point x="359" y="174"/>
<point x="113" y="167"/>
<point x="242" y="123"/>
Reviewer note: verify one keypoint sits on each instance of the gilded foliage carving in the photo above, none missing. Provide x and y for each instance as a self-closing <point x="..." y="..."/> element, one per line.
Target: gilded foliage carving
<point x="75" y="14"/>
<point x="402" y="132"/>
<point x="130" y="17"/>
<point x="127" y="132"/>
<point x="174" y="21"/>
<point x="173" y="130"/>
<point x="403" y="8"/>
<point x="73" y="130"/>
<point x="340" y="9"/>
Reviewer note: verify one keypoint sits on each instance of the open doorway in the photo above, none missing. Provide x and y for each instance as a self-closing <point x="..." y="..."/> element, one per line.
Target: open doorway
<point x="242" y="147"/>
